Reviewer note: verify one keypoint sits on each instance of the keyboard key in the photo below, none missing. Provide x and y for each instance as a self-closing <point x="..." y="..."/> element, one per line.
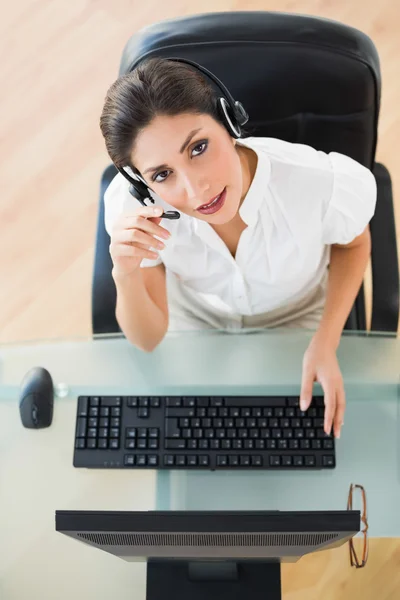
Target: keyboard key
<point x="309" y="461"/>
<point x="293" y="401"/>
<point x="180" y="412"/>
<point x="132" y="402"/>
<point x="244" y="460"/>
<point x="192" y="461"/>
<point x="203" y="444"/>
<point x="267" y="412"/>
<point x="328" y="461"/>
<point x="271" y="444"/>
<point x="305" y="444"/>
<point x="310" y="434"/>
<point x="141" y="460"/>
<point x="102" y="444"/>
<point x="294" y="444"/>
<point x="155" y="402"/>
<point x="153" y="444"/>
<point x="204" y="461"/>
<point x="286" y="461"/>
<point x="130" y="432"/>
<point x="237" y="444"/>
<point x="203" y="401"/>
<point x="277" y="433"/>
<point x="153" y="432"/>
<point x="93" y="411"/>
<point x="114" y="432"/>
<point x="214" y="444"/>
<point x="256" y="461"/>
<point x="180" y="460"/>
<point x="80" y="444"/>
<point x="173" y="402"/>
<point x="104" y="422"/>
<point x="142" y="432"/>
<point x="316" y="444"/>
<point x="144" y="402"/>
<point x="278" y="412"/>
<point x="216" y="402"/>
<point x="191" y="444"/>
<point x="298" y="461"/>
<point x="94" y="401"/>
<point x="129" y="444"/>
<point x="115" y="411"/>
<point x="175" y="444"/>
<point x="103" y="432"/>
<point x="142" y="444"/>
<point x="113" y="444"/>
<point x="260" y="444"/>
<point x="129" y="460"/>
<point x="92" y="432"/>
<point x="226" y="444"/>
<point x="91" y="444"/>
<point x="298" y="434"/>
<point x="189" y="402"/>
<point x="248" y="444"/>
<point x="115" y="422"/>
<point x="273" y="423"/>
<point x="81" y="427"/>
<point x="233" y="460"/>
<point x="222" y="461"/>
<point x="290" y="412"/>
<point x="172" y="429"/>
<point x="256" y="412"/>
<point x="152" y="460"/>
<point x="111" y="401"/>
<point x="83" y="406"/>
<point x="143" y="413"/>
<point x="104" y="411"/>
<point x="169" y="460"/>
<point x="327" y="444"/>
<point x="275" y="461"/>
<point x="282" y="444"/>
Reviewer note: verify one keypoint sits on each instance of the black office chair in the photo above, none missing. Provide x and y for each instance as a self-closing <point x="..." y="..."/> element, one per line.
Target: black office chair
<point x="302" y="79"/>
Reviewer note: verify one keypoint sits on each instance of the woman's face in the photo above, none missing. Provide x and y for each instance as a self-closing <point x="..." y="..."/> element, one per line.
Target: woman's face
<point x="189" y="160"/>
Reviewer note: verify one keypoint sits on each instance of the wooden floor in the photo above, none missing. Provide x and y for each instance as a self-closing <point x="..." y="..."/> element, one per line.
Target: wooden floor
<point x="59" y="57"/>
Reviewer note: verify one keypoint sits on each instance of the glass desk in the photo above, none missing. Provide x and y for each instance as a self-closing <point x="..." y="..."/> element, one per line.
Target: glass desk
<point x="37" y="476"/>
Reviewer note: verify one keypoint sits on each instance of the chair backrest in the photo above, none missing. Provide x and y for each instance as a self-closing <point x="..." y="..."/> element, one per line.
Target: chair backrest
<point x="303" y="79"/>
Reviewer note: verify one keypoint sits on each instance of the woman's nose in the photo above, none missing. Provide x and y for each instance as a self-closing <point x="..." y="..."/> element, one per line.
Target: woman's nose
<point x="196" y="189"/>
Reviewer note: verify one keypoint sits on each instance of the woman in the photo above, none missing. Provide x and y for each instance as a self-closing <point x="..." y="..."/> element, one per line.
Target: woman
<point x="261" y="221"/>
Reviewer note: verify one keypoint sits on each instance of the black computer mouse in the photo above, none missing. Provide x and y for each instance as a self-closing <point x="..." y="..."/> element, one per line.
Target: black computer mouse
<point x="36" y="399"/>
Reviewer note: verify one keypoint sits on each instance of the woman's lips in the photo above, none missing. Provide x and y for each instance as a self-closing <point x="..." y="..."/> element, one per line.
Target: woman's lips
<point x="213" y="207"/>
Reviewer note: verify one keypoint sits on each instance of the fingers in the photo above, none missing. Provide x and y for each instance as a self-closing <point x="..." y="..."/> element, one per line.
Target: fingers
<point x="330" y="405"/>
<point x="145" y="223"/>
<point x="132" y="251"/>
<point x="306" y="387"/>
<point x="340" y="409"/>
<point x="129" y="236"/>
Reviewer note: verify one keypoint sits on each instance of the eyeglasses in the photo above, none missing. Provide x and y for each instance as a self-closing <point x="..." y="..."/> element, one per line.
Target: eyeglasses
<point x="358" y="546"/>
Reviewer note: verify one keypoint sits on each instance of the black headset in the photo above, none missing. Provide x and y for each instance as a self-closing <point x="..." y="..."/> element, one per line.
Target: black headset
<point x="233" y="117"/>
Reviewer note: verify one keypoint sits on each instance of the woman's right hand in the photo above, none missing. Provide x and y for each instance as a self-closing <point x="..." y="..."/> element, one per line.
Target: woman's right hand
<point x="132" y="237"/>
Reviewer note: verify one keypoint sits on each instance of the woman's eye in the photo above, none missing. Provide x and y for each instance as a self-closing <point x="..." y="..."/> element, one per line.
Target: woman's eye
<point x="154" y="178"/>
<point x="199" y="146"/>
<point x="202" y="146"/>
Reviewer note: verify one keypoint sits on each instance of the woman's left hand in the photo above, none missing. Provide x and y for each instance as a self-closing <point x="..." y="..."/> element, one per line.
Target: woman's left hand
<point x="320" y="364"/>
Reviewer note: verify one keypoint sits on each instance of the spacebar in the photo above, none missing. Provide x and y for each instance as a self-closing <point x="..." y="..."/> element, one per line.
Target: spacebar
<point x="255" y="401"/>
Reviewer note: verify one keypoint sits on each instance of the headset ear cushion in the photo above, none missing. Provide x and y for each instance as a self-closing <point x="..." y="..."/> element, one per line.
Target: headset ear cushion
<point x="228" y="118"/>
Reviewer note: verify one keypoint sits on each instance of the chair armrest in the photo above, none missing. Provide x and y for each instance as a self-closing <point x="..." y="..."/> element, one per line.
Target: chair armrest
<point x="104" y="295"/>
<point x="384" y="258"/>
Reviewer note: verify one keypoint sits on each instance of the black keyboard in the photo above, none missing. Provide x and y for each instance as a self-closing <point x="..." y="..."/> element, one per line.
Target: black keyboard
<point x="201" y="432"/>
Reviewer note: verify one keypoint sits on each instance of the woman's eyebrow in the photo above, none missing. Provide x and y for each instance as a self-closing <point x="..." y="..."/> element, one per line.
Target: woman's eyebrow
<point x="184" y="145"/>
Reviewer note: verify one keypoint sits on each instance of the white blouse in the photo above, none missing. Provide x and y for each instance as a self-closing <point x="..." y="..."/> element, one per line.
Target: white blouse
<point x="300" y="201"/>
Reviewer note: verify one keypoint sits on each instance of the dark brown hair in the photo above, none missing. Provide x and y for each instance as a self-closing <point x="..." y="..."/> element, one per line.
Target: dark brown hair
<point x="155" y="87"/>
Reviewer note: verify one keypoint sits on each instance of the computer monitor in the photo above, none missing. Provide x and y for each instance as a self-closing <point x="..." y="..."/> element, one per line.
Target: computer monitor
<point x="203" y="555"/>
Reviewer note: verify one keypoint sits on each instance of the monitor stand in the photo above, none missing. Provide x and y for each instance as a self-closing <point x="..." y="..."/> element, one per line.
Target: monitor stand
<point x="213" y="580"/>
